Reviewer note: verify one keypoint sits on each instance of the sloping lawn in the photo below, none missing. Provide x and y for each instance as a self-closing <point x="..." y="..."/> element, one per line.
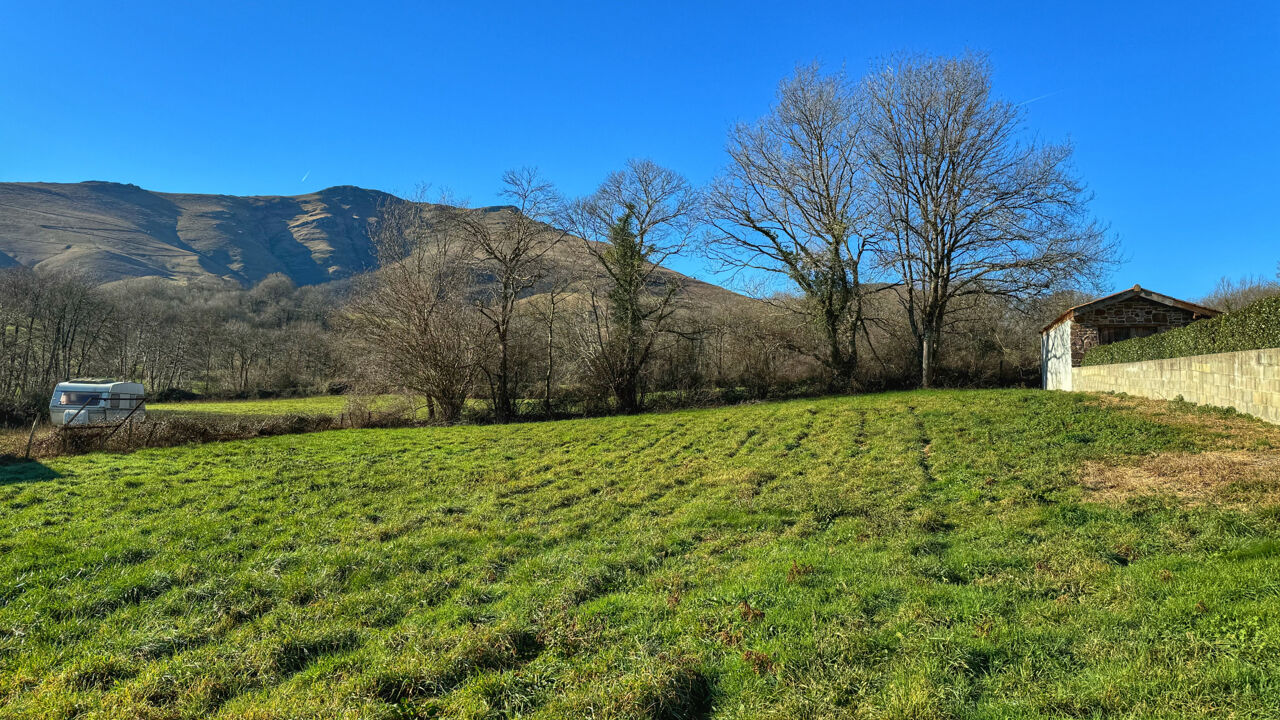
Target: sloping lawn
<point x="913" y="555"/>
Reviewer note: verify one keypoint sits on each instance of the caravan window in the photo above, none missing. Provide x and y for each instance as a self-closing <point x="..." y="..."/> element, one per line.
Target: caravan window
<point x="76" y="399"/>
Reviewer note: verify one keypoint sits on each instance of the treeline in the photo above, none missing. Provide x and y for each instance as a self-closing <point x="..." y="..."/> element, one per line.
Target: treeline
<point x="898" y="228"/>
<point x="209" y="337"/>
<point x="913" y="233"/>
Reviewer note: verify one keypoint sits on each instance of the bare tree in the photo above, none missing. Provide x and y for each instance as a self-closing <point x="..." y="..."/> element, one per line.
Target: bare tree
<point x="51" y="327"/>
<point x="547" y="308"/>
<point x="794" y="202"/>
<point x="510" y="247"/>
<point x="968" y="208"/>
<point x="751" y="345"/>
<point x="638" y="219"/>
<point x="409" y="322"/>
<point x="1229" y="295"/>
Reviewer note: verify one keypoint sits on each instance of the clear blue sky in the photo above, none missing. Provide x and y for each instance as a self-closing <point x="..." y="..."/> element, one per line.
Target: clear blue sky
<point x="1174" y="107"/>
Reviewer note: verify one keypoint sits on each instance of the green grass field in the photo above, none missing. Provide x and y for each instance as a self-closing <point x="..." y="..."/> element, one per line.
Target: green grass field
<point x="315" y="405"/>
<point x="975" y="554"/>
<point x="318" y="405"/>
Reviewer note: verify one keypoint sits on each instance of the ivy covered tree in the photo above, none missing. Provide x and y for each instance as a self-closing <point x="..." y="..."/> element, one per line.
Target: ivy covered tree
<point x="638" y="218"/>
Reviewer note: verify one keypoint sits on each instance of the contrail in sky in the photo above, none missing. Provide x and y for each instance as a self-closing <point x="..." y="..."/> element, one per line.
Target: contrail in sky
<point x="304" y="177"/>
<point x="1046" y="95"/>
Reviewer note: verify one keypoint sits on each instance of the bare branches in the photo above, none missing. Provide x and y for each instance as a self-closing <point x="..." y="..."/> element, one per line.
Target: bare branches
<point x="409" y="320"/>
<point x="508" y="246"/>
<point x="794" y="200"/>
<point x="964" y="205"/>
<point x="1229" y="295"/>
<point x="662" y="203"/>
<point x="638" y="218"/>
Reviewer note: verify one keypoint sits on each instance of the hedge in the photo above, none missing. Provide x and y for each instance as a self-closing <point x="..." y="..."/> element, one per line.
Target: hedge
<point x="1254" y="327"/>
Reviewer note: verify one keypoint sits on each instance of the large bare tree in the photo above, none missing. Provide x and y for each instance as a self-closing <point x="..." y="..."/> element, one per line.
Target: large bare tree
<point x="794" y="201"/>
<point x="966" y="205"/>
<point x="638" y="219"/>
<point x="409" y="321"/>
<point x="510" y="249"/>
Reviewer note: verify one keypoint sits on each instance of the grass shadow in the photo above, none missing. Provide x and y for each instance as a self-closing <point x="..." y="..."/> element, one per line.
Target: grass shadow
<point x="16" y="470"/>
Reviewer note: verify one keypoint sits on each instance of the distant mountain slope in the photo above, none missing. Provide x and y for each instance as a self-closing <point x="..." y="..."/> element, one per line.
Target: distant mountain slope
<point x="114" y="232"/>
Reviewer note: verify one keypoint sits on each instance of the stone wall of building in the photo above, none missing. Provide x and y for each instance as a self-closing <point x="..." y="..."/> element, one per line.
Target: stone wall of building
<point x="1135" y="312"/>
<point x="1083" y="337"/>
<point x="1248" y="381"/>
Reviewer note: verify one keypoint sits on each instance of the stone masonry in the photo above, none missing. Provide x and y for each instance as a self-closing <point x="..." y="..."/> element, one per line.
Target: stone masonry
<point x="1248" y="381"/>
<point x="1134" y="312"/>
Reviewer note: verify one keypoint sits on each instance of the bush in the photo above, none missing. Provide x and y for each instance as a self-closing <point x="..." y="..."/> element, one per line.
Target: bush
<point x="158" y="431"/>
<point x="168" y="431"/>
<point x="169" y="395"/>
<point x="1255" y="327"/>
<point x="20" y="413"/>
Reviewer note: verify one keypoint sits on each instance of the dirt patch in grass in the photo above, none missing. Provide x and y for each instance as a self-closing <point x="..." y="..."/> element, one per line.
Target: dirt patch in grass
<point x="1230" y="477"/>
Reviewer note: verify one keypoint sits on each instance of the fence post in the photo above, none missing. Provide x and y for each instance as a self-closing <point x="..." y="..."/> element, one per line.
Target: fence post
<point x="32" y="436"/>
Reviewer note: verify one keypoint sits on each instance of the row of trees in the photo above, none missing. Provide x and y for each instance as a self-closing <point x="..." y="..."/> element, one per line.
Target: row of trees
<point x="913" y="180"/>
<point x="501" y="296"/>
<point x="902" y="205"/>
<point x="209" y="336"/>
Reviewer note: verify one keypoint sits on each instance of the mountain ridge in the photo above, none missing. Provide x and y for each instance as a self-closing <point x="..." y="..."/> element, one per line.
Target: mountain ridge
<point x="116" y="231"/>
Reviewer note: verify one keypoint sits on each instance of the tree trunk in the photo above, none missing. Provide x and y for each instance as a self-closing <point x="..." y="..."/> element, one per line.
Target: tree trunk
<point x="627" y="394"/>
<point x="503" y="406"/>
<point x="843" y="365"/>
<point x="928" y="357"/>
<point x="546" y="381"/>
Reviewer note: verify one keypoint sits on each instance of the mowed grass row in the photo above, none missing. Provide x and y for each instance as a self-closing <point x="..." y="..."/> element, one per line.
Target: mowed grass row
<point x="914" y="555"/>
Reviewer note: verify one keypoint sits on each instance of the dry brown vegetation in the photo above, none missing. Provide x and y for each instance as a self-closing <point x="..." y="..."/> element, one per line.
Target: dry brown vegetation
<point x="161" y="431"/>
<point x="1236" y="478"/>
<point x="1234" y="460"/>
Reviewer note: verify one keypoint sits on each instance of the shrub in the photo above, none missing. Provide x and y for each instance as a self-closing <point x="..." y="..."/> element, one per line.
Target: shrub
<point x="169" y="395"/>
<point x="1251" y="328"/>
<point x="168" y="431"/>
<point x="171" y="430"/>
<point x="19" y="413"/>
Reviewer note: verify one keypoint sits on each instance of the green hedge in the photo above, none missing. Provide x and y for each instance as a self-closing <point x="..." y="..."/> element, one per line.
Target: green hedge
<point x="1250" y="328"/>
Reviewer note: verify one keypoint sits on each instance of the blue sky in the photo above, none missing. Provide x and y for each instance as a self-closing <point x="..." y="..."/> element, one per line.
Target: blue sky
<point x="1173" y="107"/>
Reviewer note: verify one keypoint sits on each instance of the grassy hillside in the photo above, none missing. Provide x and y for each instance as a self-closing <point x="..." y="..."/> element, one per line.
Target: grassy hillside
<point x="918" y="555"/>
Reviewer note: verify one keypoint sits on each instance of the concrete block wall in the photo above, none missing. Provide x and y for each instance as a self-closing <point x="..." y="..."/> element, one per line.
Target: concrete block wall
<point x="1248" y="381"/>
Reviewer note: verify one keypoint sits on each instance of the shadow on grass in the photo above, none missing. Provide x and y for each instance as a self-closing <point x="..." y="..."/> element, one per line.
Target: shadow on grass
<point x="16" y="470"/>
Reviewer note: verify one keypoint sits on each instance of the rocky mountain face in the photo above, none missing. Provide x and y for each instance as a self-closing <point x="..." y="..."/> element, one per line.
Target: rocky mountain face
<point x="112" y="232"/>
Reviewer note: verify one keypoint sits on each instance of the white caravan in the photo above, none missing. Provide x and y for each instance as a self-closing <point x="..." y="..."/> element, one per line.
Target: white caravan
<point x="93" y="402"/>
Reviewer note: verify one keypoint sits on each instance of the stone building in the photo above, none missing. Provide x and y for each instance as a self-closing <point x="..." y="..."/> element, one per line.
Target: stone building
<point x="1131" y="313"/>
